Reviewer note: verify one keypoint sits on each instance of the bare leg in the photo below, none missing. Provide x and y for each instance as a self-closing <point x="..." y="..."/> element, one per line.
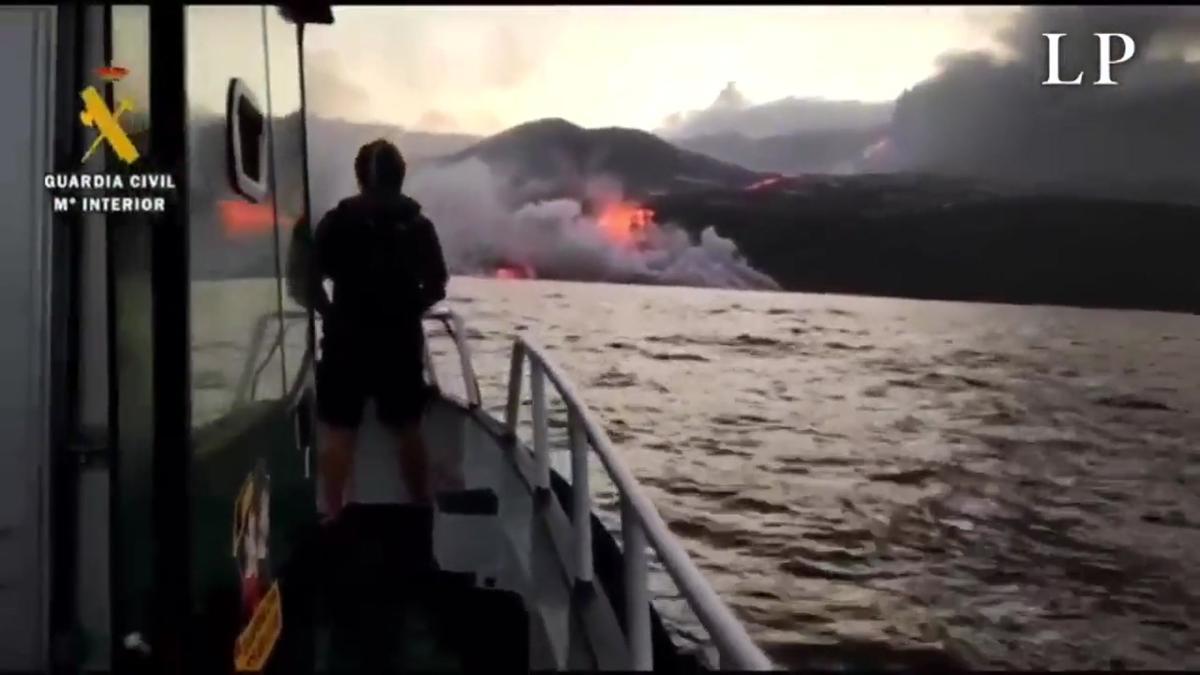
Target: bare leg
<point x="337" y="456"/>
<point x="414" y="461"/>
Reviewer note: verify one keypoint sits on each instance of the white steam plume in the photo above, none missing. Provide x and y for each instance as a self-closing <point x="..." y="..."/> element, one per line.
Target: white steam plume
<point x="558" y="240"/>
<point x="469" y="203"/>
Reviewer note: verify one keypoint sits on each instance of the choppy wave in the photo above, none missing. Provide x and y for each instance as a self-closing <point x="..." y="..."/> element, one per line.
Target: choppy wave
<point x="883" y="483"/>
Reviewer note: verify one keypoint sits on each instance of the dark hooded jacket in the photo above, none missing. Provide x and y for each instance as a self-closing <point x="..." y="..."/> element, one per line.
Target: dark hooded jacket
<point x="384" y="259"/>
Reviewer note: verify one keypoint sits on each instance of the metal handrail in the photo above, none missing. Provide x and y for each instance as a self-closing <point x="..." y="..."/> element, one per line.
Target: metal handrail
<point x="247" y="384"/>
<point x="253" y="367"/>
<point x="456" y="329"/>
<point x="641" y="525"/>
<point x="640" y="521"/>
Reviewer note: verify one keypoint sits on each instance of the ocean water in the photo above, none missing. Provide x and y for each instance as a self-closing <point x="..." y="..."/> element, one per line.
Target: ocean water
<point x="884" y="481"/>
<point x="874" y="481"/>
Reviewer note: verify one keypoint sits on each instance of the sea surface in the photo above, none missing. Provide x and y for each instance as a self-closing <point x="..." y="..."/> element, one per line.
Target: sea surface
<point x="894" y="482"/>
<point x="869" y="481"/>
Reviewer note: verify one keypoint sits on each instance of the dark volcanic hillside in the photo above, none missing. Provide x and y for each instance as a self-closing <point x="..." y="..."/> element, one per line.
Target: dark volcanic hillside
<point x="924" y="237"/>
<point x="554" y="158"/>
<point x="904" y="235"/>
<point x="825" y="151"/>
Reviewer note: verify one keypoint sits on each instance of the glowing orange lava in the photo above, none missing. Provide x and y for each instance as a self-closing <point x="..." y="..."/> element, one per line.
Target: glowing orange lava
<point x="242" y="219"/>
<point x="624" y="222"/>
<point x="764" y="183"/>
<point x="515" y="272"/>
<point x="880" y="149"/>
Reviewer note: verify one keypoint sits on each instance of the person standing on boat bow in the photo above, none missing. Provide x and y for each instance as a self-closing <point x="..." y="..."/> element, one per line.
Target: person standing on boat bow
<point x="385" y="263"/>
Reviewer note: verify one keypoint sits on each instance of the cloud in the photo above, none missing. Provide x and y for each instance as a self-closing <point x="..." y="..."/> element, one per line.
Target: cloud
<point x="557" y="239"/>
<point x="483" y="226"/>
<point x="330" y="91"/>
<point x="512" y="60"/>
<point x="730" y="99"/>
<point x="731" y="112"/>
<point x="989" y="117"/>
<point x="436" y="121"/>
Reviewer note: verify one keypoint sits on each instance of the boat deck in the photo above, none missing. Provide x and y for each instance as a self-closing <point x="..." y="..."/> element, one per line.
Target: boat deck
<point x="506" y="549"/>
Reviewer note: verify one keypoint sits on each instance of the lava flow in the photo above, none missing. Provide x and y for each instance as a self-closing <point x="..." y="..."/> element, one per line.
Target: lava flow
<point x="879" y="153"/>
<point x="764" y="183"/>
<point x="515" y="272"/>
<point x="245" y="219"/>
<point x="625" y="222"/>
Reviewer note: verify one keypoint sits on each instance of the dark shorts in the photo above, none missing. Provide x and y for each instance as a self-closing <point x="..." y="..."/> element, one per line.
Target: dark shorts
<point x="351" y="372"/>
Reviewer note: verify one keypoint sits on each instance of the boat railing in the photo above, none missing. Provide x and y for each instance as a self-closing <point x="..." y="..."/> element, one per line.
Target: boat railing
<point x="641" y="525"/>
<point x="456" y="329"/>
<point x="254" y="366"/>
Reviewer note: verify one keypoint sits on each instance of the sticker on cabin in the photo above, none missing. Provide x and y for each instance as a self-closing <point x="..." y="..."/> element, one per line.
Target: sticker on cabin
<point x="251" y="539"/>
<point x="257" y="641"/>
<point x="107" y="122"/>
<point x="110" y="192"/>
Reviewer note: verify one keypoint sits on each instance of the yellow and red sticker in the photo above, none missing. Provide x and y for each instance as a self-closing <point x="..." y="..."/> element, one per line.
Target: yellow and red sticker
<point x="257" y="641"/>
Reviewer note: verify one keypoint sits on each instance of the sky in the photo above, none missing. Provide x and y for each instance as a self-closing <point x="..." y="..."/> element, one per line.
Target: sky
<point x="480" y="70"/>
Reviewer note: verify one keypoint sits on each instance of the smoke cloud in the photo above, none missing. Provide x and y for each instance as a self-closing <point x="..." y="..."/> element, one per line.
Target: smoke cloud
<point x="331" y="92"/>
<point x="472" y="205"/>
<point x="989" y="117"/>
<point x="731" y="112"/>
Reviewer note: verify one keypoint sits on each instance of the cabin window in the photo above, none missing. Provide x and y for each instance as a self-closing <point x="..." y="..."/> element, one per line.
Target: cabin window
<point x="246" y="142"/>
